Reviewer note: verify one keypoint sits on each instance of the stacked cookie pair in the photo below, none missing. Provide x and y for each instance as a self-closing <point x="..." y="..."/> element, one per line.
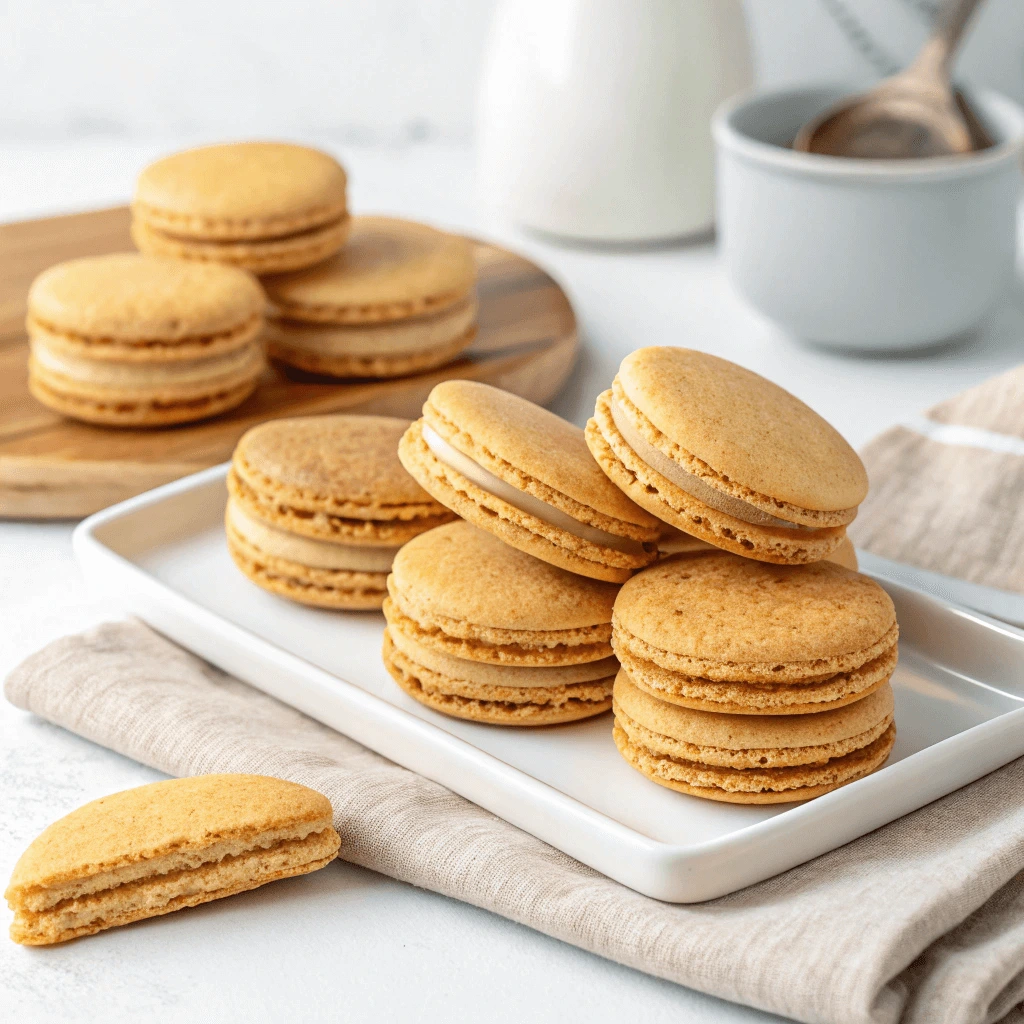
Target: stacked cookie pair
<point x="349" y="296"/>
<point x="755" y="659"/>
<point x="319" y="506"/>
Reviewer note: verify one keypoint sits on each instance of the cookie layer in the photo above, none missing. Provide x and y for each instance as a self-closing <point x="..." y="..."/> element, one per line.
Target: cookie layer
<point x="390" y="349"/>
<point x="155" y="849"/>
<point x="390" y="270"/>
<point x="503" y="703"/>
<point x="241" y="191"/>
<point x="126" y="305"/>
<point x="713" y="631"/>
<point x="778" y="542"/>
<point x="459" y="591"/>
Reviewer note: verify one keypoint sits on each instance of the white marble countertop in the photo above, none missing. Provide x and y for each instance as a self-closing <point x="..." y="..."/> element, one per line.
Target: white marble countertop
<point x="346" y="942"/>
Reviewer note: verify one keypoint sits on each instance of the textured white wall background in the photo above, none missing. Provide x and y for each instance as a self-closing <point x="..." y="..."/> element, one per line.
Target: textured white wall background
<point x="375" y="71"/>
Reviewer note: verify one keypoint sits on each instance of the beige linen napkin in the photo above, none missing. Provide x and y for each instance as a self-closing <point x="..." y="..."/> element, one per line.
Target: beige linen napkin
<point x="947" y="491"/>
<point x="920" y="922"/>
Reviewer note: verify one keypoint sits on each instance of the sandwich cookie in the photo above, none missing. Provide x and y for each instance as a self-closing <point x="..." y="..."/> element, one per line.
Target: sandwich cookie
<point x="727" y="456"/>
<point x="721" y="633"/>
<point x="479" y="630"/>
<point x="398" y="299"/>
<point x="159" y="848"/>
<point x="319" y="507"/>
<point x="139" y="341"/>
<point x="525" y="475"/>
<point x="265" y="206"/>
<point x="751" y="759"/>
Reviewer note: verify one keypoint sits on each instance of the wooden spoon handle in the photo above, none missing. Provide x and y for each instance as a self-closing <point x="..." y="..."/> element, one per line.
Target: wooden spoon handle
<point x="937" y="54"/>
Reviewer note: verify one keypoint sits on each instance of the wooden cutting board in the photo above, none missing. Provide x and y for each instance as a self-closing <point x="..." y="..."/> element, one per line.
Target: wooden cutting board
<point x="51" y="467"/>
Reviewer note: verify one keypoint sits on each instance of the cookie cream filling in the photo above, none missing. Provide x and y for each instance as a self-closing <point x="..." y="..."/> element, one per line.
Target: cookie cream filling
<point x="307" y="551"/>
<point x="527" y="503"/>
<point x="107" y="373"/>
<point x="693" y="485"/>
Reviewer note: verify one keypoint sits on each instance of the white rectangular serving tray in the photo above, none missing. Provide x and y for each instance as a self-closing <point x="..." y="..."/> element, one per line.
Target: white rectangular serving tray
<point x="959" y="711"/>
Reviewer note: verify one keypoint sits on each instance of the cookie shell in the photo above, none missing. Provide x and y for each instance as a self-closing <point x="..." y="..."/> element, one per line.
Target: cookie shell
<point x="241" y="190"/>
<point x="755" y="439"/>
<point x="719" y="616"/>
<point x="138" y="299"/>
<point x="390" y="269"/>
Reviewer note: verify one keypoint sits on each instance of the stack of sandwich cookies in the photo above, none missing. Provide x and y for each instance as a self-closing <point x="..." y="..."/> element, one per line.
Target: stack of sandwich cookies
<point x="319" y="507"/>
<point x="133" y="340"/>
<point x="481" y="631"/>
<point x="398" y="299"/>
<point x="720" y="633"/>
<point x="268" y="207"/>
<point x="163" y="847"/>
<point x="525" y="475"/>
<point x="751" y="759"/>
<point x="725" y="455"/>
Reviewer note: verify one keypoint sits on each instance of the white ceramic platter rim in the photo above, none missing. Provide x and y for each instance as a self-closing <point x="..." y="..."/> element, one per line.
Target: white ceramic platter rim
<point x="666" y="871"/>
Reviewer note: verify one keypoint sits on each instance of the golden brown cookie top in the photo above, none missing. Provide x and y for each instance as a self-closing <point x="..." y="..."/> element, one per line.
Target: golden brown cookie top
<point x="747" y="732"/>
<point x="749" y="431"/>
<point x="523" y="443"/>
<point x="390" y="269"/>
<point x="462" y="572"/>
<point x="164" y="817"/>
<point x="721" y="608"/>
<point x="132" y="297"/>
<point x="321" y="462"/>
<point x="241" y="190"/>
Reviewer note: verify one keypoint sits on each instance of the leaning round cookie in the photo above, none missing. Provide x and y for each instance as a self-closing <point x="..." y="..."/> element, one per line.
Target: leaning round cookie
<point x="717" y="632"/>
<point x="482" y="631"/>
<point x="138" y="341"/>
<point x="267" y="207"/>
<point x="397" y="300"/>
<point x="318" y="508"/>
<point x="751" y="759"/>
<point x="525" y="475"/>
<point x="727" y="456"/>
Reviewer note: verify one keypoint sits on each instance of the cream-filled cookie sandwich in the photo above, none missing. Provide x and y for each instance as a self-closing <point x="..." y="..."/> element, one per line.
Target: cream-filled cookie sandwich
<point x="267" y="207"/>
<point x="751" y="759"/>
<point x="320" y="505"/>
<point x="159" y="848"/>
<point x="727" y="456"/>
<point x="137" y="341"/>
<point x="525" y="475"/>
<point x="716" y="632"/>
<point x="398" y="299"/>
<point x="482" y="631"/>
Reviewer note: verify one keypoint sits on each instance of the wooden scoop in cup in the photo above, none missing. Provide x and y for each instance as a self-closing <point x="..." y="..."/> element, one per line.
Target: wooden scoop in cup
<point x="910" y="115"/>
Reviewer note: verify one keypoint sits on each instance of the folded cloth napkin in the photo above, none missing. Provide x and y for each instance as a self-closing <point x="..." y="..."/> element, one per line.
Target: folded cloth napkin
<point x="946" y="488"/>
<point x="920" y="922"/>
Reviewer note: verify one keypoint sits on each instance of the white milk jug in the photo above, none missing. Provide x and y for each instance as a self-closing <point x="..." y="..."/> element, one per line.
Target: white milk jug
<point x="593" y="116"/>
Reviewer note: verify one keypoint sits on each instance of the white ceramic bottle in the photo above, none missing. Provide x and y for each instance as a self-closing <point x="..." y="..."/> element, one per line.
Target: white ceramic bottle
<point x="593" y="116"/>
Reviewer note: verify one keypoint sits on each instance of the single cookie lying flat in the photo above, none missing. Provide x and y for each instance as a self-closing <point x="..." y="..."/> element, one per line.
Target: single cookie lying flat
<point x="751" y="759"/>
<point x="162" y="847"/>
<point x="727" y="456"/>
<point x="717" y="632"/>
<point x="137" y="341"/>
<point x="525" y="475"/>
<point x="267" y="207"/>
<point x="479" y="630"/>
<point x="398" y="299"/>
<point x="320" y="505"/>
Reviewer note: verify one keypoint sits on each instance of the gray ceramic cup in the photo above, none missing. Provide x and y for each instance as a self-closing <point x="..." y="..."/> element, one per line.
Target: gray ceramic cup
<point x="875" y="255"/>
